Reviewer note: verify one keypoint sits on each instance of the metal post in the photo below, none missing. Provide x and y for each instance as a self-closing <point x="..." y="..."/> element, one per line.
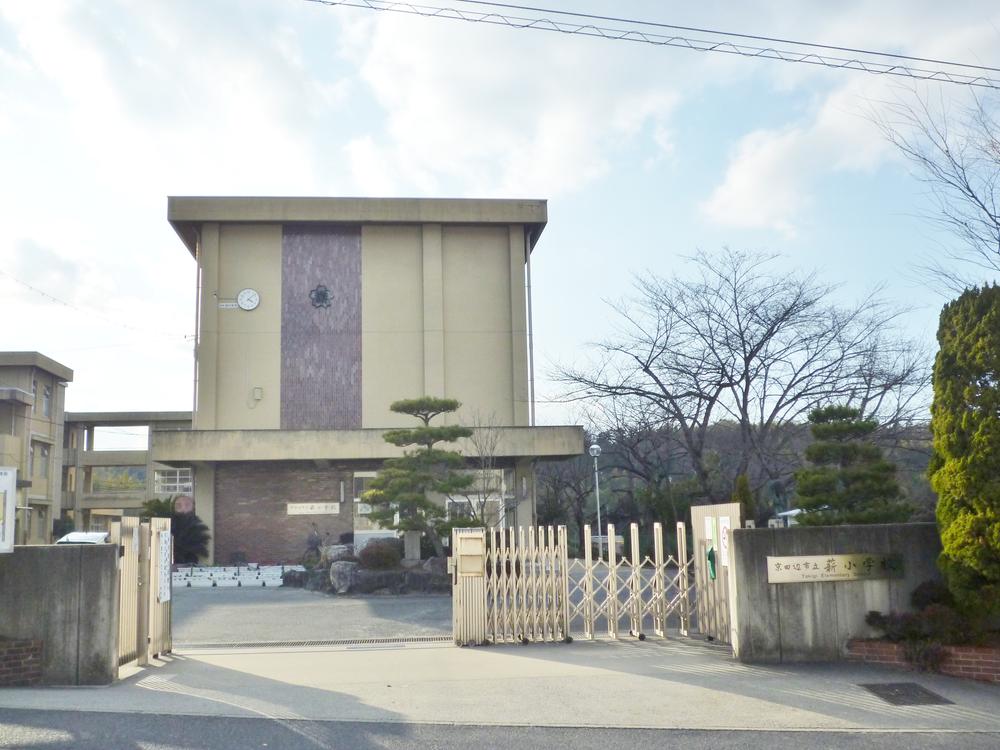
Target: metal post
<point x="597" y="493"/>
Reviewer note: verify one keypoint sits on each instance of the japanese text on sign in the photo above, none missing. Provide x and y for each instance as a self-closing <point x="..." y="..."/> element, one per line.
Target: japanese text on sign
<point x="812" y="568"/>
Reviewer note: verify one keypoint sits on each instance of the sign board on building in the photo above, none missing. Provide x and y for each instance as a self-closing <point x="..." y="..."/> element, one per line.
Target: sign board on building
<point x="8" y="507"/>
<point x="814" y="568"/>
<point x="165" y="558"/>
<point x="313" y="509"/>
<point x="724" y="532"/>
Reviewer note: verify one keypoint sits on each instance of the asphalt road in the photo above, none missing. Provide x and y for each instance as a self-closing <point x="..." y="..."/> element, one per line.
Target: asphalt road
<point x="252" y="615"/>
<point x="55" y="730"/>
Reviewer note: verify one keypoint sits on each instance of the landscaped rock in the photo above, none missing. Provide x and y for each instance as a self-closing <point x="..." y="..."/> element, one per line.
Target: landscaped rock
<point x="343" y="576"/>
<point x="436" y="565"/>
<point x="335" y="552"/>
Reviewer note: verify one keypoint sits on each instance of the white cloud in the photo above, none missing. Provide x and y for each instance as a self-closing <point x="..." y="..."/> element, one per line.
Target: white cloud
<point x="772" y="174"/>
<point x="497" y="112"/>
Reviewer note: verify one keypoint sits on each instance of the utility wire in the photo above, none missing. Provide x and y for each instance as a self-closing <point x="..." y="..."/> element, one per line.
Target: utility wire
<point x="734" y="34"/>
<point x="86" y="311"/>
<point x="885" y="63"/>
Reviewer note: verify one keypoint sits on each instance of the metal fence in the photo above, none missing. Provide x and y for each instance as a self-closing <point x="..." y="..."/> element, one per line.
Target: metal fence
<point x="519" y="585"/>
<point x="628" y="592"/>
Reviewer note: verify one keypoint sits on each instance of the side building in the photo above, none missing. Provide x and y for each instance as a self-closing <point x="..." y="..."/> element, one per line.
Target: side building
<point x="313" y="316"/>
<point x="32" y="403"/>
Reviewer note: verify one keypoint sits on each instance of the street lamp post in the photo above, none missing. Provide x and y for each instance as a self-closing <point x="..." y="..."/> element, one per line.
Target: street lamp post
<point x="595" y="451"/>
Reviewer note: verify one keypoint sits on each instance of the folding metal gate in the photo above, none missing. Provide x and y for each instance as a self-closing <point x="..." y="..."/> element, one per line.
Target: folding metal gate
<point x="519" y="585"/>
<point x="627" y="592"/>
<point x="144" y="588"/>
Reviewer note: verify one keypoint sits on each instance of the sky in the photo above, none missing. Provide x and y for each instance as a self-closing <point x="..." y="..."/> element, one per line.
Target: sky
<point x="645" y="155"/>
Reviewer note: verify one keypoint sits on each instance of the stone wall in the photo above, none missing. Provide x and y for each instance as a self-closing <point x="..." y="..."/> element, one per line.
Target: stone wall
<point x="65" y="596"/>
<point x="813" y="621"/>
<point x="251" y="509"/>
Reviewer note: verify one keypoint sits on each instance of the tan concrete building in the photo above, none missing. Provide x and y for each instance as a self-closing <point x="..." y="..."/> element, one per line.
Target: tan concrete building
<point x="314" y="314"/>
<point x="100" y="485"/>
<point x="32" y="403"/>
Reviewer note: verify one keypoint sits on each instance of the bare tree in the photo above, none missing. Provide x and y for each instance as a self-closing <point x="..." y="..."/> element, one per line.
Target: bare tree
<point x="644" y="449"/>
<point x="745" y="343"/>
<point x="958" y="156"/>
<point x="488" y="488"/>
<point x="564" y="492"/>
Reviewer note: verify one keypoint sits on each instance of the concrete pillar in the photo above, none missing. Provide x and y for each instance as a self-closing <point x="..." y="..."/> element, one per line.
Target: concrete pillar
<point x="518" y="329"/>
<point x="411" y="545"/>
<point x="204" y="501"/>
<point x="433" y="286"/>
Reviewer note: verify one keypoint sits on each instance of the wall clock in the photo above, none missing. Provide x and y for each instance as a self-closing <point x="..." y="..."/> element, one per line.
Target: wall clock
<point x="248" y="299"/>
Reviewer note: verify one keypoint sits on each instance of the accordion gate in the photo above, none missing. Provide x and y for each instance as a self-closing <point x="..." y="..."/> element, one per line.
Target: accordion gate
<point x="519" y="585"/>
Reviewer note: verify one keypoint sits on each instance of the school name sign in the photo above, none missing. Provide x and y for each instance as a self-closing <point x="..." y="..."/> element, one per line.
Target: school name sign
<point x="814" y="568"/>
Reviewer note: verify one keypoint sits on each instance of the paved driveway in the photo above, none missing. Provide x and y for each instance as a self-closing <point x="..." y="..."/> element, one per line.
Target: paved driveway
<point x="254" y="615"/>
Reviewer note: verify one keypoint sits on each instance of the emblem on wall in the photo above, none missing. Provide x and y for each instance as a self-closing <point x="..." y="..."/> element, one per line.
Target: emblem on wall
<point x="320" y="296"/>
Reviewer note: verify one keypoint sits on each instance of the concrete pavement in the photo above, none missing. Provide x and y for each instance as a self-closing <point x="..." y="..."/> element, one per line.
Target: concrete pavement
<point x="652" y="684"/>
<point x="240" y="615"/>
<point x="69" y="730"/>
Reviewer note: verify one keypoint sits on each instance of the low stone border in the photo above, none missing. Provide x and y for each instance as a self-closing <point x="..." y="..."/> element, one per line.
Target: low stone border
<point x="972" y="662"/>
<point x="20" y="663"/>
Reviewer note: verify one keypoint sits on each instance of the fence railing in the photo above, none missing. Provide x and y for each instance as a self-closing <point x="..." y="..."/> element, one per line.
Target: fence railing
<point x="627" y="592"/>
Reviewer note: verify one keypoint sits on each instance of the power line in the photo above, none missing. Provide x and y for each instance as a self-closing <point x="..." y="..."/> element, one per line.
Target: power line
<point x="72" y="306"/>
<point x="963" y="74"/>
<point x="754" y="37"/>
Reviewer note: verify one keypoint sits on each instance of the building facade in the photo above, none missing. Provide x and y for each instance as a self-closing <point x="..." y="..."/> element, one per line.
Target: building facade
<point x="32" y="403"/>
<point x="313" y="316"/>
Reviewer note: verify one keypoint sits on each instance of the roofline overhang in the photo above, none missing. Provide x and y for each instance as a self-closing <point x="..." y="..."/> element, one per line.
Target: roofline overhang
<point x="186" y="214"/>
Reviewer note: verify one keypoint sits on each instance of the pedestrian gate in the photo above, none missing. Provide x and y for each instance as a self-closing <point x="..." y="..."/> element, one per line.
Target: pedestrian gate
<point x="145" y="551"/>
<point x="519" y="585"/>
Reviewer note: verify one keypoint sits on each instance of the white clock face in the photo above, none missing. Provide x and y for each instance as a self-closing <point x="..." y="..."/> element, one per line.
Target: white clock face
<point x="248" y="299"/>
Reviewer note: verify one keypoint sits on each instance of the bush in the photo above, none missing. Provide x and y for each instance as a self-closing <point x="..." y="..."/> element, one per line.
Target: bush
<point x="381" y="554"/>
<point x="931" y="592"/>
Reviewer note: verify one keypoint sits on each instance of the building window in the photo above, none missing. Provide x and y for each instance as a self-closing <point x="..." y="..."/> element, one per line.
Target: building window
<point x="362" y="483"/>
<point x="43" y="462"/>
<point x="47" y="401"/>
<point x="173" y="481"/>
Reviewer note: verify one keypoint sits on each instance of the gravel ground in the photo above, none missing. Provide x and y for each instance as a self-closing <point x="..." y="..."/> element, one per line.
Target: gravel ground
<point x="247" y="615"/>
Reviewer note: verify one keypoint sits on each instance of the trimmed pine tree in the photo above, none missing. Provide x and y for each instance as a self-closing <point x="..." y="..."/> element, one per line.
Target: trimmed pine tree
<point x="849" y="481"/>
<point x="401" y="494"/>
<point x="965" y="467"/>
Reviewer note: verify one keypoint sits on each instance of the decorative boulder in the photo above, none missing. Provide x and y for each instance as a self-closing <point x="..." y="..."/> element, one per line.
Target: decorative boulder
<point x="436" y="565"/>
<point x="343" y="576"/>
<point x="335" y="552"/>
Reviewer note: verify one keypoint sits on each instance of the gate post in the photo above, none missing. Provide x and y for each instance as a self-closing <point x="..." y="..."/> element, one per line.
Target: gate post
<point x="588" y="583"/>
<point x="563" y="555"/>
<point x="683" y="566"/>
<point x="635" y="584"/>
<point x="612" y="582"/>
<point x="468" y="567"/>
<point x="659" y="589"/>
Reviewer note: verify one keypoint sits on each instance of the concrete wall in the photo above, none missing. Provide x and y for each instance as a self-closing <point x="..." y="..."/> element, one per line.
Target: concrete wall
<point x="814" y="621"/>
<point x="442" y="312"/>
<point x="66" y="596"/>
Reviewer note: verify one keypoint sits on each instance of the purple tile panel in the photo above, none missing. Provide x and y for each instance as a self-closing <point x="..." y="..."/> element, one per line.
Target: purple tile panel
<point x="321" y="346"/>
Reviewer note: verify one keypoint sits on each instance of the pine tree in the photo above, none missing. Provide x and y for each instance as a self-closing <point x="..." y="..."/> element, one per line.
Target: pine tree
<point x="849" y="480"/>
<point x="743" y="495"/>
<point x="405" y="485"/>
<point x="965" y="466"/>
